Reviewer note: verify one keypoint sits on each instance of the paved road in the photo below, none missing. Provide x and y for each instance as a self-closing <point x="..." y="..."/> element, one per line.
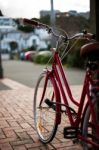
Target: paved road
<point x="27" y="73"/>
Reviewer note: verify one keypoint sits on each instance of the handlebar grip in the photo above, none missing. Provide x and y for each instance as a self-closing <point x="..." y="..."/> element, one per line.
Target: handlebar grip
<point x="35" y="23"/>
<point x="90" y="36"/>
<point x="30" y="22"/>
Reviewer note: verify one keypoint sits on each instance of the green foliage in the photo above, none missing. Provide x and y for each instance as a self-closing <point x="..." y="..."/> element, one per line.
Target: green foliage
<point x="41" y="59"/>
<point x="74" y="59"/>
<point x="72" y="24"/>
<point x="32" y="48"/>
<point x="26" y="28"/>
<point x="13" y="45"/>
<point x="45" y="19"/>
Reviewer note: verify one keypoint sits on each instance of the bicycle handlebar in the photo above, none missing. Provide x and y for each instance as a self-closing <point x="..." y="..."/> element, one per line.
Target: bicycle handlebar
<point x="84" y="34"/>
<point x="38" y="24"/>
<point x="34" y="23"/>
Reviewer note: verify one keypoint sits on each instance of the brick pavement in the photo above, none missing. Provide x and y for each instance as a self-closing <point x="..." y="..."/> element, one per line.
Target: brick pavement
<point x="17" y="130"/>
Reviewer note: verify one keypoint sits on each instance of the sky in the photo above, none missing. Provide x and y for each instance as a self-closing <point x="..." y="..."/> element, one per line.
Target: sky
<point x="31" y="8"/>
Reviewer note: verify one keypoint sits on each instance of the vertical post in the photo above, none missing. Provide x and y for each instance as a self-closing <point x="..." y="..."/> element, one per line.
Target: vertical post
<point x="1" y="69"/>
<point x="52" y="14"/>
<point x="97" y="18"/>
<point x="52" y="21"/>
<point x="97" y="38"/>
<point x="94" y="17"/>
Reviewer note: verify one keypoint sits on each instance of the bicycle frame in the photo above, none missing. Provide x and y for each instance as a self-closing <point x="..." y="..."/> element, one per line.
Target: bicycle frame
<point x="57" y="77"/>
<point x="85" y="92"/>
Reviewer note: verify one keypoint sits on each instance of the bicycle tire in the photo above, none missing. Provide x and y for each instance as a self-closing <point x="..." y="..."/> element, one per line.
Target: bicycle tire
<point x="43" y="123"/>
<point x="89" y="129"/>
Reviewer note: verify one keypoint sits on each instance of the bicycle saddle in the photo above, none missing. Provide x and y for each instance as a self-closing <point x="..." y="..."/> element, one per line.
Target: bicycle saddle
<point x="90" y="50"/>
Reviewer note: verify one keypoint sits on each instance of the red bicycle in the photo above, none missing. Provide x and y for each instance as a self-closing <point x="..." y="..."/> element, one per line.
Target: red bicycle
<point x="51" y="101"/>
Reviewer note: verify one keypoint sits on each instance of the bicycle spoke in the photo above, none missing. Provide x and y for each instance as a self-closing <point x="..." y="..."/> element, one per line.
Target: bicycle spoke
<point x="44" y="115"/>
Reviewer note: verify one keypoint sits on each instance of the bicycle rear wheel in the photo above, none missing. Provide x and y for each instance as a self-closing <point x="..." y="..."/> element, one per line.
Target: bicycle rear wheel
<point x="89" y="130"/>
<point x="44" y="115"/>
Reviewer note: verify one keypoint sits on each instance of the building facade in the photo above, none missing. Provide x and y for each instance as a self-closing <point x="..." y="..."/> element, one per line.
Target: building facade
<point x="9" y="33"/>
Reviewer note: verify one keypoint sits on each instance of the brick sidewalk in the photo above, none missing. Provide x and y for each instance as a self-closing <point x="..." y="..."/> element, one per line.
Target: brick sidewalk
<point x="17" y="130"/>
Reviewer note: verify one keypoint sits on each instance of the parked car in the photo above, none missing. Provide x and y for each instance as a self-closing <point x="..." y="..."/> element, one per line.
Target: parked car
<point x="29" y="55"/>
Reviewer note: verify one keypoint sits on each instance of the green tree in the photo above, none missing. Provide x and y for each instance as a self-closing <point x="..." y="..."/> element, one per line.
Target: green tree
<point x="45" y="19"/>
<point x="25" y="28"/>
<point x="74" y="58"/>
<point x="13" y="45"/>
<point x="73" y="24"/>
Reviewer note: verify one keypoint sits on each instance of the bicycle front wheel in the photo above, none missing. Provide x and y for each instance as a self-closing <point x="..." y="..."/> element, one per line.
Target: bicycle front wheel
<point x="90" y="129"/>
<point x="44" y="115"/>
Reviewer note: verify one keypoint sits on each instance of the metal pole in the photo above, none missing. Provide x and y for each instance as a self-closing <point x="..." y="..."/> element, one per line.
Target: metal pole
<point x="52" y="14"/>
<point x="1" y="69"/>
<point x="52" y="21"/>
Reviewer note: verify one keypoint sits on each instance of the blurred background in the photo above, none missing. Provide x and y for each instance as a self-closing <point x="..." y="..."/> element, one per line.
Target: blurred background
<point x="27" y="43"/>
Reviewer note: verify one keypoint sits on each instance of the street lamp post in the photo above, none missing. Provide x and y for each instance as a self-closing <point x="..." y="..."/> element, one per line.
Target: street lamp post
<point x="52" y="14"/>
<point x="52" y="21"/>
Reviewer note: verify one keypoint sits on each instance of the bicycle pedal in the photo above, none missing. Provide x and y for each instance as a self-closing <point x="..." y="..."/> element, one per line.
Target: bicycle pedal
<point x="71" y="132"/>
